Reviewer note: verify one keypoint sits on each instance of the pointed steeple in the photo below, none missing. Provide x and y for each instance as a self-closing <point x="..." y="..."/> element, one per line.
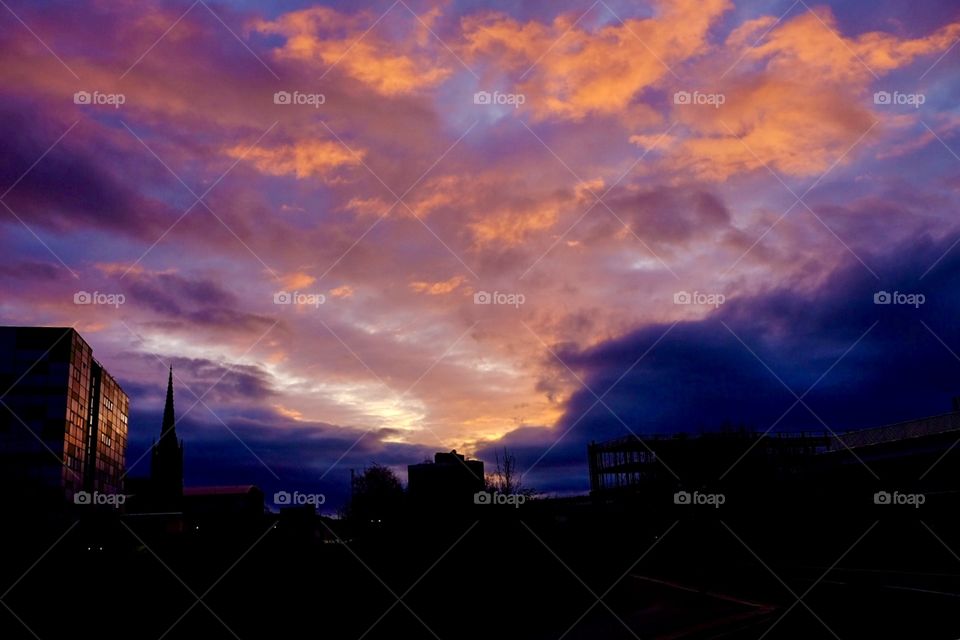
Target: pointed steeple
<point x="168" y="428"/>
<point x="166" y="470"/>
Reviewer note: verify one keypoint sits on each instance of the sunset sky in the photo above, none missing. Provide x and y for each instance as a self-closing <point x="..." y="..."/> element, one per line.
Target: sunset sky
<point x="300" y="204"/>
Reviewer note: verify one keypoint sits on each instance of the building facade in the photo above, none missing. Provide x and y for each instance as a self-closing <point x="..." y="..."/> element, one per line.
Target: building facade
<point x="63" y="417"/>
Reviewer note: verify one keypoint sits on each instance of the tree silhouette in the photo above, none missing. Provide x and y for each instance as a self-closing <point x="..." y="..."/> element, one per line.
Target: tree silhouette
<point x="377" y="496"/>
<point x="507" y="478"/>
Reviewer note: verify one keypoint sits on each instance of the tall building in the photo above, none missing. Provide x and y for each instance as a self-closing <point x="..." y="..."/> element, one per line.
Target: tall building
<point x="166" y="464"/>
<point x="63" y="418"/>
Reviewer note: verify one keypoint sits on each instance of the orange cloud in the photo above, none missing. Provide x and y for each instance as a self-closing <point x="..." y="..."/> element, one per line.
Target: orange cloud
<point x="293" y="414"/>
<point x="437" y="288"/>
<point x="787" y="125"/>
<point x="811" y="41"/>
<point x="806" y="105"/>
<point x="328" y="38"/>
<point x="499" y="209"/>
<point x="343" y="291"/>
<point x="368" y="206"/>
<point x="572" y="72"/>
<point x="298" y="280"/>
<point x="302" y="159"/>
<point x="511" y="226"/>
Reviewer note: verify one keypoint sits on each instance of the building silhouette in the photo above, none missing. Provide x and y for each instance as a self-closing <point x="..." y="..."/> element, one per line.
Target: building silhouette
<point x="166" y="460"/>
<point x="903" y="454"/>
<point x="162" y="503"/>
<point x="449" y="482"/>
<point x="223" y="510"/>
<point x="655" y="461"/>
<point x="63" y="417"/>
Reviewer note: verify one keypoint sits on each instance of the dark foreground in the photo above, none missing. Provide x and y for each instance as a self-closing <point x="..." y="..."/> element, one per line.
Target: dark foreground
<point x="547" y="570"/>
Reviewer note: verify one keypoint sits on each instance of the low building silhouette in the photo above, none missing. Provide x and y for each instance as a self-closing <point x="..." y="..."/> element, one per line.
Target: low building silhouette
<point x="222" y="509"/>
<point x="655" y="461"/>
<point x="449" y="482"/>
<point x="905" y="454"/>
<point x="240" y="501"/>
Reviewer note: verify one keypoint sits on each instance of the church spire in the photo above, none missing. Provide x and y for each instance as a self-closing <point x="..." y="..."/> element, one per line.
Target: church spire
<point x="166" y="470"/>
<point x="168" y="428"/>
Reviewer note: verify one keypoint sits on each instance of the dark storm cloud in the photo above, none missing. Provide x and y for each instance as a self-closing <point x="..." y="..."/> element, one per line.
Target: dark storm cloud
<point x="170" y="293"/>
<point x="183" y="302"/>
<point x="75" y="185"/>
<point x="699" y="376"/>
<point x="199" y="377"/>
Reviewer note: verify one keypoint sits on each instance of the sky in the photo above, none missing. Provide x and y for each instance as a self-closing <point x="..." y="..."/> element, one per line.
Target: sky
<point x="366" y="232"/>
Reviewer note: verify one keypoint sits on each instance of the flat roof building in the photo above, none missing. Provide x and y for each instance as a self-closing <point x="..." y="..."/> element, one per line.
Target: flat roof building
<point x="63" y="417"/>
<point x="448" y="482"/>
<point x="901" y="453"/>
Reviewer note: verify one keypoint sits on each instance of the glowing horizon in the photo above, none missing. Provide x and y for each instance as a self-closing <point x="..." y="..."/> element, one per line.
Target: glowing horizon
<point x="412" y="227"/>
